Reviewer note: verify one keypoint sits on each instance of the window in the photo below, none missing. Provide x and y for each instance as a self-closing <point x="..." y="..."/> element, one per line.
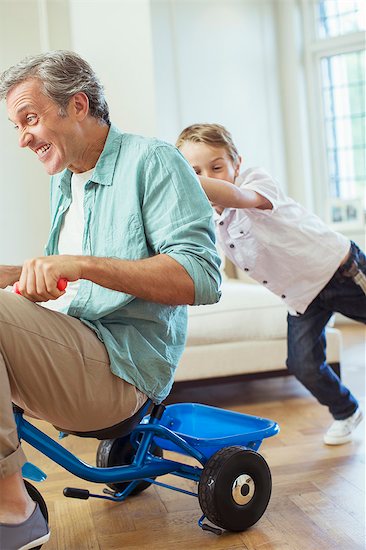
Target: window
<point x="335" y="50"/>
<point x="343" y="88"/>
<point x="339" y="17"/>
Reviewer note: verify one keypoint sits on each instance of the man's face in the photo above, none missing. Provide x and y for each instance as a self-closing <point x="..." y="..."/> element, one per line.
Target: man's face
<point x="211" y="162"/>
<point x="53" y="138"/>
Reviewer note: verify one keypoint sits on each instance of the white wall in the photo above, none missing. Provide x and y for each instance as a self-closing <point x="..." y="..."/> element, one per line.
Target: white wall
<point x="164" y="64"/>
<point x="115" y="37"/>
<point x="23" y="183"/>
<point x="293" y="101"/>
<point x="217" y="62"/>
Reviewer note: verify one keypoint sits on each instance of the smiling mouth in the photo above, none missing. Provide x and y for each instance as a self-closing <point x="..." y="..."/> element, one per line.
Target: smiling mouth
<point x="41" y="151"/>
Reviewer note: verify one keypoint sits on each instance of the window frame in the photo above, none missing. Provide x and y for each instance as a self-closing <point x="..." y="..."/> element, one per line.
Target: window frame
<point x="314" y="48"/>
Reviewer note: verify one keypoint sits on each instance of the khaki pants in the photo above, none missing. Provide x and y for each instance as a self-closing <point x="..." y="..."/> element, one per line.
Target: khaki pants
<point x="56" y="369"/>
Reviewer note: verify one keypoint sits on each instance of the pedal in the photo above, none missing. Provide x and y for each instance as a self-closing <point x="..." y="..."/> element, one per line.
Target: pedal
<point x="109" y="492"/>
<point x="73" y="492"/>
<point x="207" y="527"/>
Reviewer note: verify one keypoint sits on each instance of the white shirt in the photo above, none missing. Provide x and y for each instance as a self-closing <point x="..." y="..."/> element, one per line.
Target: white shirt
<point x="288" y="249"/>
<point x="71" y="237"/>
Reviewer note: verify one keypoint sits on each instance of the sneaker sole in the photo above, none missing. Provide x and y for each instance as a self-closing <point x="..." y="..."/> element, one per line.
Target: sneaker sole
<point x="339" y="441"/>
<point x="345" y="439"/>
<point x="36" y="542"/>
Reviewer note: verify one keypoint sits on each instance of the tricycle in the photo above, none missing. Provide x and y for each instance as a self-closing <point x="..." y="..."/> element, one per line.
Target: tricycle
<point x="233" y="479"/>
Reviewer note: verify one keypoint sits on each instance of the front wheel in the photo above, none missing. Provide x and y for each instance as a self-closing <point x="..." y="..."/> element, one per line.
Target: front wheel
<point x="235" y="488"/>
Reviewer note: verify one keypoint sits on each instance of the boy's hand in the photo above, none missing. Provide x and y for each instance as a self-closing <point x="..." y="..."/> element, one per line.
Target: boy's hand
<point x="39" y="277"/>
<point x="219" y="209"/>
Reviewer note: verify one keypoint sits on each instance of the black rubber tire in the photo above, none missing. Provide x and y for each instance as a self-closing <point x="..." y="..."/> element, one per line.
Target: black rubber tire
<point x="215" y="488"/>
<point x="37" y="497"/>
<point x="119" y="452"/>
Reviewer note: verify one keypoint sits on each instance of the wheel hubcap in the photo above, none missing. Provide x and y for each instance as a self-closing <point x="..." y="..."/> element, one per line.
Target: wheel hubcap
<point x="243" y="489"/>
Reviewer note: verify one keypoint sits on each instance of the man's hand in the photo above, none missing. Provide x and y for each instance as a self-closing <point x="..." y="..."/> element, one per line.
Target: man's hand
<point x="157" y="279"/>
<point x="39" y="276"/>
<point x="9" y="274"/>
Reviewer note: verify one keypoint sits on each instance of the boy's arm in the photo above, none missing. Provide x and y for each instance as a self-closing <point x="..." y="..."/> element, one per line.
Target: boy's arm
<point x="228" y="195"/>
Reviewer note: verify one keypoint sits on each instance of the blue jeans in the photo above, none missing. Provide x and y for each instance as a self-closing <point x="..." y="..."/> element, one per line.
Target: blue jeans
<point x="306" y="343"/>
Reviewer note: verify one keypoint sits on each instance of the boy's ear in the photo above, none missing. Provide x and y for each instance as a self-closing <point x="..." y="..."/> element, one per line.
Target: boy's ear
<point x="237" y="166"/>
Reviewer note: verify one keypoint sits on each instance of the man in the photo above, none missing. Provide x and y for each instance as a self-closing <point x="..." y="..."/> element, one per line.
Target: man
<point x="131" y="231"/>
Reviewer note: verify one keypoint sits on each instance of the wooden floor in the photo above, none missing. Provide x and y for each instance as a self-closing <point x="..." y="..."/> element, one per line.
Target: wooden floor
<point x="318" y="498"/>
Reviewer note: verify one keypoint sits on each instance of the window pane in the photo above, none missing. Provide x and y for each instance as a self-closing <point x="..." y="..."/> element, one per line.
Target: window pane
<point x="343" y="79"/>
<point x="337" y="17"/>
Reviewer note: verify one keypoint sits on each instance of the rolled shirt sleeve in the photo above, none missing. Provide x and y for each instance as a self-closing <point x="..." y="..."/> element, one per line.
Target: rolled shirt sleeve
<point x="178" y="220"/>
<point x="261" y="182"/>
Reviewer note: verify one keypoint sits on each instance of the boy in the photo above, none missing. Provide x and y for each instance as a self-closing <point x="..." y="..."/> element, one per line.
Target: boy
<point x="315" y="270"/>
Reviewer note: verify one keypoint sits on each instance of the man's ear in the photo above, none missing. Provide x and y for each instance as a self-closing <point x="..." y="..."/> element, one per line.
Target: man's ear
<point x="80" y="105"/>
<point x="237" y="166"/>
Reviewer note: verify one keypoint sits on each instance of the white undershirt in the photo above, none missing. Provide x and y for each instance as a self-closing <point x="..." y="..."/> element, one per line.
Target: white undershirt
<point x="71" y="237"/>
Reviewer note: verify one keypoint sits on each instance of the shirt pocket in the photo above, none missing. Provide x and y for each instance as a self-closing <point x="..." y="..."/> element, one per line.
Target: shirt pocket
<point x="126" y="240"/>
<point x="240" y="230"/>
<point x="242" y="245"/>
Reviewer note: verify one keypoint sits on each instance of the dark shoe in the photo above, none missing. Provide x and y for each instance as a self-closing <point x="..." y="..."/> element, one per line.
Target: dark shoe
<point x="31" y="533"/>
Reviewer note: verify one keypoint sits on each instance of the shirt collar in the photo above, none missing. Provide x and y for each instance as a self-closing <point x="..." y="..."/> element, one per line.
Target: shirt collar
<point x="104" y="169"/>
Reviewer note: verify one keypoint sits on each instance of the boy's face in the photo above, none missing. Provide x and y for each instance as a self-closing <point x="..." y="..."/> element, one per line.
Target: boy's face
<point x="209" y="161"/>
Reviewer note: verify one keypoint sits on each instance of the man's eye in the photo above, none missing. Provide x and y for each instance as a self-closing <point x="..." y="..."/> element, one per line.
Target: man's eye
<point x="217" y="168"/>
<point x="31" y="119"/>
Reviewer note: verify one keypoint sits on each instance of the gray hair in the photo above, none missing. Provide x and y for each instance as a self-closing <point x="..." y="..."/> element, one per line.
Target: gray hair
<point x="62" y="74"/>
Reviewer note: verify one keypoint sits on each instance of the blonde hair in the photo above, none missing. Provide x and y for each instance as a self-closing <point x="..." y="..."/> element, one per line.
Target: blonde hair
<point x="212" y="134"/>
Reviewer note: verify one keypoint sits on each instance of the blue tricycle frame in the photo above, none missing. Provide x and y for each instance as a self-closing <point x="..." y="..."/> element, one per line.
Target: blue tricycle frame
<point x="234" y="480"/>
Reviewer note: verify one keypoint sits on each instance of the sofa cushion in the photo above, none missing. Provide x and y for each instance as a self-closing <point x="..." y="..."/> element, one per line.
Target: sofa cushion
<point x="245" y="312"/>
<point x="227" y="359"/>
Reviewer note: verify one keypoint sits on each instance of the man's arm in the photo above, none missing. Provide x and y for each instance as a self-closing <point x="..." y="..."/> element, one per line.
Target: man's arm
<point x="156" y="279"/>
<point x="9" y="274"/>
<point x="228" y="195"/>
<point x="177" y="221"/>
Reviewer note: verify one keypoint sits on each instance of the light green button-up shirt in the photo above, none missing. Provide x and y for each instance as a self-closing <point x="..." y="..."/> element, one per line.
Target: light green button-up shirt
<point x="143" y="199"/>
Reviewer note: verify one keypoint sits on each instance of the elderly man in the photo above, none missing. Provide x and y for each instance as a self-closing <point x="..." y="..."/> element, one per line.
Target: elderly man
<point x="131" y="231"/>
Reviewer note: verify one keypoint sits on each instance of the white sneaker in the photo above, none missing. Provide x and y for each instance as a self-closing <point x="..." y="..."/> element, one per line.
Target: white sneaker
<point x="341" y="431"/>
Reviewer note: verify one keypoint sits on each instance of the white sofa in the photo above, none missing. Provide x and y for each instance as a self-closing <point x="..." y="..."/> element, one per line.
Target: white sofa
<point x="244" y="334"/>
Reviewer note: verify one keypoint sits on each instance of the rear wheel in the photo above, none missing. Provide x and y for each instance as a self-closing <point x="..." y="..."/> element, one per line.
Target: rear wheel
<point x="120" y="452"/>
<point x="235" y="488"/>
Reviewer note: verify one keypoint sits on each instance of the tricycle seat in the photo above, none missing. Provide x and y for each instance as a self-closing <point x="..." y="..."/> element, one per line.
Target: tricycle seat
<point x="118" y="430"/>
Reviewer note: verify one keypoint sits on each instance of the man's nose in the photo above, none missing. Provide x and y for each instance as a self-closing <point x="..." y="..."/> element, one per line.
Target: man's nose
<point x="25" y="138"/>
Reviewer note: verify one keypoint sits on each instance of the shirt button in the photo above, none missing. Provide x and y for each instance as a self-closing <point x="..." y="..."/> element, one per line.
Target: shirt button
<point x="232" y="246"/>
<point x="283" y="296"/>
<point x="221" y="223"/>
<point x="264" y="282"/>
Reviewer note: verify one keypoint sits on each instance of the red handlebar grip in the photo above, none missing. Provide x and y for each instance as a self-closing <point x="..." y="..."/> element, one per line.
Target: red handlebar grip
<point x="61" y="285"/>
<point x="16" y="288"/>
